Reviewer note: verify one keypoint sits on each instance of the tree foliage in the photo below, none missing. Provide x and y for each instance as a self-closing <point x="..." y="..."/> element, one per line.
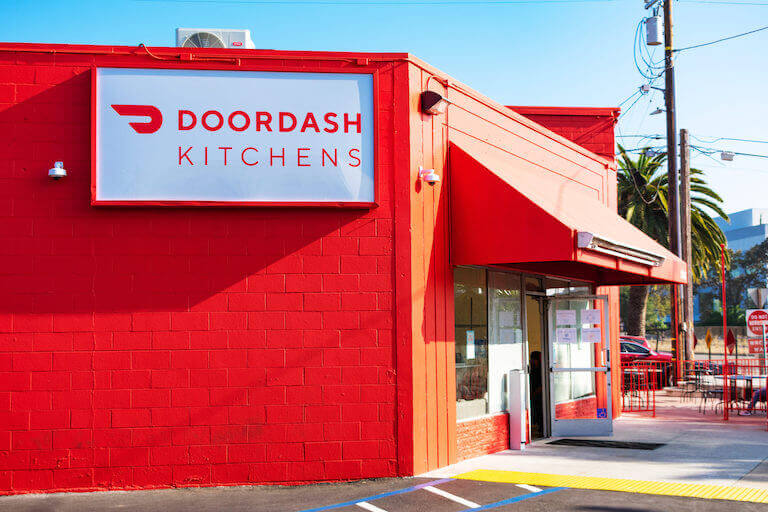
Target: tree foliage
<point x="643" y="200"/>
<point x="747" y="269"/>
<point x="643" y="194"/>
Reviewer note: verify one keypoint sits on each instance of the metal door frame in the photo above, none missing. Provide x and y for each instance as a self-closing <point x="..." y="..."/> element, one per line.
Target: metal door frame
<point x="579" y="427"/>
<point x="541" y="299"/>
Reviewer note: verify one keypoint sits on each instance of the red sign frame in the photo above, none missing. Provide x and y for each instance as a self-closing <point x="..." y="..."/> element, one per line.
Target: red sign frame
<point x="373" y="71"/>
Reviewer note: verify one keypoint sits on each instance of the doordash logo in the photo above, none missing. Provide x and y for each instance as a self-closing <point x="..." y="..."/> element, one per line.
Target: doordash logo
<point x="153" y="113"/>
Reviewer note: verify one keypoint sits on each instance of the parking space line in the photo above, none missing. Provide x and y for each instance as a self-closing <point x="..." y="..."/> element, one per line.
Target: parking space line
<point x="514" y="500"/>
<point x="368" y="506"/>
<point x="379" y="496"/>
<point x="658" y="488"/>
<point x="452" y="497"/>
<point x="529" y="488"/>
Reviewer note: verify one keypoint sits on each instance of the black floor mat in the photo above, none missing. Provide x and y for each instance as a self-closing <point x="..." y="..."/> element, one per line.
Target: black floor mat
<point x="627" y="445"/>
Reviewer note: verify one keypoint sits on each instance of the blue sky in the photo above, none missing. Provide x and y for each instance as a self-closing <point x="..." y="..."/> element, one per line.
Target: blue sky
<point x="575" y="53"/>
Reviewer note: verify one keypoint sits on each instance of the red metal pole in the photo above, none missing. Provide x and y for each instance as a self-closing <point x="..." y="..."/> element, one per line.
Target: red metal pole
<point x="675" y="298"/>
<point x="725" y="327"/>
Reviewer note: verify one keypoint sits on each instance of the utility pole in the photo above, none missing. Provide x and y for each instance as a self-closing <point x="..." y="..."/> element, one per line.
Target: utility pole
<point x="669" y="100"/>
<point x="672" y="175"/>
<point x="685" y="203"/>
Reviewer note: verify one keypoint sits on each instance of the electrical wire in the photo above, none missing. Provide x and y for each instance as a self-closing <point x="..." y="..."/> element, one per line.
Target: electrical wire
<point x="678" y="50"/>
<point x="378" y="3"/>
<point x="701" y="139"/>
<point x="721" y="2"/>
<point x="710" y="151"/>
<point x="630" y="106"/>
<point x="728" y="138"/>
<point x="629" y="98"/>
<point x="652" y="69"/>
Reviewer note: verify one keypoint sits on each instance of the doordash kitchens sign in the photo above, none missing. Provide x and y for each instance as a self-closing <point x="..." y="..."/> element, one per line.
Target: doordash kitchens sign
<point x="241" y="137"/>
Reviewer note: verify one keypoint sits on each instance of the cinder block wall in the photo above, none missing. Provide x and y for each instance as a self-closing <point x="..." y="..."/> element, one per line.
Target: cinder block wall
<point x="154" y="347"/>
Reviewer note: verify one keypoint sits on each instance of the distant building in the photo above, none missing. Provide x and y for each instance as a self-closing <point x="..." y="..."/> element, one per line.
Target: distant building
<point x="747" y="228"/>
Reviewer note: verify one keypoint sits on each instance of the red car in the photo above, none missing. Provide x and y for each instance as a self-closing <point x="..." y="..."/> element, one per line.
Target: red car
<point x="635" y="339"/>
<point x="632" y="352"/>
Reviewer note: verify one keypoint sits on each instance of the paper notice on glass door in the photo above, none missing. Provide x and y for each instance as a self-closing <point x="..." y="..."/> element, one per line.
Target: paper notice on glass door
<point x="590" y="316"/>
<point x="566" y="317"/>
<point x="470" y="344"/>
<point x="590" y="335"/>
<point x="566" y="334"/>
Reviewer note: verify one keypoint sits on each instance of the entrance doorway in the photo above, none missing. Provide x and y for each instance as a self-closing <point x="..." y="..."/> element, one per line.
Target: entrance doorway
<point x="579" y="366"/>
<point x="569" y="383"/>
<point x="537" y="361"/>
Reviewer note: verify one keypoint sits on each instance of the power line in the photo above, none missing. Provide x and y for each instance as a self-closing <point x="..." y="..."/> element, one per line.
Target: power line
<point x="728" y="138"/>
<point x="678" y="50"/>
<point x="711" y="151"/>
<point x="721" y="2"/>
<point x="378" y="3"/>
<point x="630" y="106"/>
<point x="702" y="138"/>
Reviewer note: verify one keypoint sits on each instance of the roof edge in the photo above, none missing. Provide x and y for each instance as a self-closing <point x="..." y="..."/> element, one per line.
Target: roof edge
<point x="228" y="52"/>
<point x="567" y="111"/>
<point x="53" y="48"/>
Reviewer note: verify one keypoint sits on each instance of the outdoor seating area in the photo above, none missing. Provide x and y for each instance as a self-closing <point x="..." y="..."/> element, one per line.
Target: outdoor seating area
<point x="704" y="386"/>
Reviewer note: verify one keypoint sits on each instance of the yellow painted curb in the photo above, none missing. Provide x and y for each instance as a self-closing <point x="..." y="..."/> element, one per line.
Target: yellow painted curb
<point x="709" y="492"/>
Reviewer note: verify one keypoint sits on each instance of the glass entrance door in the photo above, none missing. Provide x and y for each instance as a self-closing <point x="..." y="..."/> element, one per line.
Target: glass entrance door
<point x="579" y="366"/>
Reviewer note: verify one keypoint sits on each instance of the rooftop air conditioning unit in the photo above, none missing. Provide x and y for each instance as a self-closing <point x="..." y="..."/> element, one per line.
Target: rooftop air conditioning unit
<point x="213" y="38"/>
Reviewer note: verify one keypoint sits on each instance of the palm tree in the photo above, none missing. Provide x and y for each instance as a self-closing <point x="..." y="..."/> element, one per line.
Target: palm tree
<point x="643" y="193"/>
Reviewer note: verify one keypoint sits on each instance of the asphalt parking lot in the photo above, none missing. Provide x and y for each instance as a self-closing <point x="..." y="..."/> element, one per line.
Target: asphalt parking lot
<point x="388" y="495"/>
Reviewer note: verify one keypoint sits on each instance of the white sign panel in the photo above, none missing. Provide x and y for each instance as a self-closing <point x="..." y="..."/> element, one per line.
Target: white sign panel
<point x="590" y="316"/>
<point x="203" y="136"/>
<point x="566" y="334"/>
<point x="470" y="344"/>
<point x="757" y="320"/>
<point x="566" y="317"/>
<point x="590" y="335"/>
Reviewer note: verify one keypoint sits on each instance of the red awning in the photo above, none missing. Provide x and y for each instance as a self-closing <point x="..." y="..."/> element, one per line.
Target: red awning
<point x="503" y="216"/>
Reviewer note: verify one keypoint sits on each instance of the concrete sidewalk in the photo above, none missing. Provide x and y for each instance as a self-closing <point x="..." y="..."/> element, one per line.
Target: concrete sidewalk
<point x="699" y="449"/>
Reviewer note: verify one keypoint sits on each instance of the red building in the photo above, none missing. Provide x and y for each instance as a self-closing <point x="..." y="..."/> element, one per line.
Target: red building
<point x="288" y="300"/>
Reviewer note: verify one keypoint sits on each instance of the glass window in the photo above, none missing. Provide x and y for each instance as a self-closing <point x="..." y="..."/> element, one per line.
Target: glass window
<point x="471" y="317"/>
<point x="505" y="346"/>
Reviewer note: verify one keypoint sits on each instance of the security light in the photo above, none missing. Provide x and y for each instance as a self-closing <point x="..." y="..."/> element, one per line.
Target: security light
<point x="657" y="111"/>
<point x="429" y="176"/>
<point x="433" y="103"/>
<point x="727" y="156"/>
<point x="57" y="171"/>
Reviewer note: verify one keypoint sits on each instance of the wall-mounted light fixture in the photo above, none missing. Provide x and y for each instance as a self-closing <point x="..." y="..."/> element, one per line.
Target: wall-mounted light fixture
<point x="429" y="176"/>
<point x="433" y="103"/>
<point x="57" y="171"/>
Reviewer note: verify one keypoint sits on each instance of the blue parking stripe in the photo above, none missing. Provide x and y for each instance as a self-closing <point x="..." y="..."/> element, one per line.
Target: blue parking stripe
<point x="379" y="496"/>
<point x="514" y="500"/>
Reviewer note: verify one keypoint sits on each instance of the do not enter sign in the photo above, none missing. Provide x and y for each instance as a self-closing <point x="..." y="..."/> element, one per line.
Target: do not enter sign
<point x="756" y="320"/>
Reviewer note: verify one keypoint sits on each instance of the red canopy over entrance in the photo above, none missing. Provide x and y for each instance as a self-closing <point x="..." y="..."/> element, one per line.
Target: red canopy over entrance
<point x="504" y="217"/>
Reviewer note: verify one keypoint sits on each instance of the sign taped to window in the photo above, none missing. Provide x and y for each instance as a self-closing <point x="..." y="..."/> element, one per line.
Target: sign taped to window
<point x="566" y="335"/>
<point x="565" y="317"/>
<point x="590" y="335"/>
<point x="591" y="316"/>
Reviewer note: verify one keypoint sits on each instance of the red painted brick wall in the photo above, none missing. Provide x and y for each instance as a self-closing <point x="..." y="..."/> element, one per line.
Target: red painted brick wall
<point x="155" y="347"/>
<point x="584" y="408"/>
<point x="591" y="128"/>
<point x="482" y="436"/>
